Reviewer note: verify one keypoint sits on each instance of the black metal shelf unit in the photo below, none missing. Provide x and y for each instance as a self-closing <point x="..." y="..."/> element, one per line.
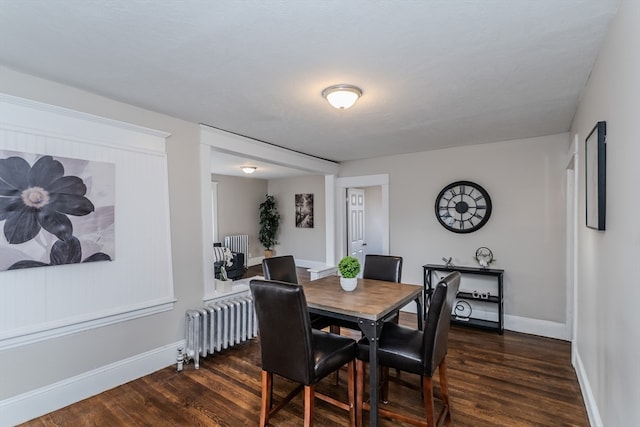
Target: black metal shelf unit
<point x="498" y="300"/>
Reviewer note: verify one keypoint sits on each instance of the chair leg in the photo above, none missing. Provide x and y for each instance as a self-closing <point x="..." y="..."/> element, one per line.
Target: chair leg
<point x="384" y="380"/>
<point x="309" y="402"/>
<point x="360" y="368"/>
<point x="429" y="408"/>
<point x="351" y="390"/>
<point x="267" y="383"/>
<point x="334" y="329"/>
<point x="444" y="391"/>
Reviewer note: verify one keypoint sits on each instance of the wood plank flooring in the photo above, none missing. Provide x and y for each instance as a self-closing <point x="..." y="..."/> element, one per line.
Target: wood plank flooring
<point x="511" y="380"/>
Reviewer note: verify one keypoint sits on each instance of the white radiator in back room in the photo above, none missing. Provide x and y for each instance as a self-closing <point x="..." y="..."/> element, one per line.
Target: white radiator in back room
<point x="238" y="243"/>
<point x="219" y="325"/>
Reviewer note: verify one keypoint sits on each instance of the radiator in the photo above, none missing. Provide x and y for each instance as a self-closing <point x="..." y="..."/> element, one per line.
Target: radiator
<point x="238" y="243"/>
<point x="219" y="325"/>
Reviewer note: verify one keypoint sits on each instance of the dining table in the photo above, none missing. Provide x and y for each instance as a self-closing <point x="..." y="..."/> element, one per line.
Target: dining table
<point x="371" y="304"/>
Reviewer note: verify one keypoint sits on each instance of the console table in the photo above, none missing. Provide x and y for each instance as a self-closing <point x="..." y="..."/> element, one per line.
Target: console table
<point x="494" y="299"/>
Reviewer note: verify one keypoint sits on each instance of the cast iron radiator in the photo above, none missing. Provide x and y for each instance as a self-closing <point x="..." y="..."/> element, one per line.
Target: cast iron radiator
<point x="219" y="325"/>
<point x="238" y="243"/>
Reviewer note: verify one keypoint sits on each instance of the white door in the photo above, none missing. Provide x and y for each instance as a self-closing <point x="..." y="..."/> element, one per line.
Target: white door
<point x="355" y="226"/>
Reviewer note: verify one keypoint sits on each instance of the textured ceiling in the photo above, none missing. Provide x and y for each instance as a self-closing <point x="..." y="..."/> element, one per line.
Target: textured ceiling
<point x="435" y="73"/>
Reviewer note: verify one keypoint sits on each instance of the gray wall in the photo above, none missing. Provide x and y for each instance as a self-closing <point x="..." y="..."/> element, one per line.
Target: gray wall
<point x="608" y="329"/>
<point x="525" y="179"/>
<point x="373" y="219"/>
<point x="239" y="199"/>
<point x="306" y="244"/>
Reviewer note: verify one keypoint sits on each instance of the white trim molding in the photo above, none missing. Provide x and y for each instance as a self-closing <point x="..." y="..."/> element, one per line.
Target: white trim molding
<point x="75" y="325"/>
<point x="590" y="403"/>
<point x="543" y="328"/>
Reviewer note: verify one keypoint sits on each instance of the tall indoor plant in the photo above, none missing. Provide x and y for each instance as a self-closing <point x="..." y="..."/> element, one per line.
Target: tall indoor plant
<point x="269" y="223"/>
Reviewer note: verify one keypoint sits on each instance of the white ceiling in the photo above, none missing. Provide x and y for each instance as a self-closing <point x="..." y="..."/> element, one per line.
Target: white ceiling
<point x="435" y="73"/>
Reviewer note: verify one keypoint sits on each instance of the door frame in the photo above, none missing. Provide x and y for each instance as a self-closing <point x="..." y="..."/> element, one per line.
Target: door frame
<point x="572" y="185"/>
<point x="342" y="184"/>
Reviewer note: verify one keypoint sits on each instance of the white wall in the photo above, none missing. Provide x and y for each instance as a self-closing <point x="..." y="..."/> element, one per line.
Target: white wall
<point x="86" y="362"/>
<point x="608" y="330"/>
<point x="525" y="179"/>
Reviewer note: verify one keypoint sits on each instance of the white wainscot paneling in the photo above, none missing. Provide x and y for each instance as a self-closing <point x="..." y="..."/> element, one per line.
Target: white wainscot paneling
<point x="39" y="303"/>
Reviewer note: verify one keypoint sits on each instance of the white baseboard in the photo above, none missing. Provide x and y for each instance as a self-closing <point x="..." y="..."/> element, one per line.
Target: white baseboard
<point x="254" y="261"/>
<point x="35" y="403"/>
<point x="544" y="328"/>
<point x="587" y="393"/>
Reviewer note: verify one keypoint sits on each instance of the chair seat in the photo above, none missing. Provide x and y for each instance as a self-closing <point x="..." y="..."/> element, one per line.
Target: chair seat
<point x="331" y="351"/>
<point x="399" y="347"/>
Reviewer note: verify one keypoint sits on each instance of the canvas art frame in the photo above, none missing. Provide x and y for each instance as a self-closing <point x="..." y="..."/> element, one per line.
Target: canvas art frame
<point x="595" y="176"/>
<point x="304" y="210"/>
<point x="55" y="210"/>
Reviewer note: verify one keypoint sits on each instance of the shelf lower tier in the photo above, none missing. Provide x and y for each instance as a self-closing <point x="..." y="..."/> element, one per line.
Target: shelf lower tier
<point x="478" y="323"/>
<point x="469" y="296"/>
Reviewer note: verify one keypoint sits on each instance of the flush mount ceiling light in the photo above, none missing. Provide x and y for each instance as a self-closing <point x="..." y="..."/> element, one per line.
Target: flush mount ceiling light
<point x="248" y="169"/>
<point x="342" y="96"/>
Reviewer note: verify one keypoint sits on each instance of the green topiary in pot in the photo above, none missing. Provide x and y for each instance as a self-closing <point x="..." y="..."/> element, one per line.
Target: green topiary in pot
<point x="349" y="267"/>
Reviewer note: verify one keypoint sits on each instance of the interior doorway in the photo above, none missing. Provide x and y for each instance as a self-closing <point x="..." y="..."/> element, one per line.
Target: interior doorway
<point x="356" y="223"/>
<point x="376" y="189"/>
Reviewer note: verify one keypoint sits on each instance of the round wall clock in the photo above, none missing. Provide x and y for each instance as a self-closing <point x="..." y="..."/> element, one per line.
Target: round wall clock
<point x="463" y="207"/>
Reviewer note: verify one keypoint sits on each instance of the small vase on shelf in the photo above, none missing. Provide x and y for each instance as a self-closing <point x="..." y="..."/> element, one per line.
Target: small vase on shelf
<point x="223" y="284"/>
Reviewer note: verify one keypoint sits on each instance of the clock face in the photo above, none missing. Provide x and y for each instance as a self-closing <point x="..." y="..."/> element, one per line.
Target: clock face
<point x="463" y="207"/>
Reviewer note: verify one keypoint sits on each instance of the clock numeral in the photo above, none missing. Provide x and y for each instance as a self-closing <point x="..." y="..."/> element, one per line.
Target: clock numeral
<point x="481" y="207"/>
<point x="480" y="197"/>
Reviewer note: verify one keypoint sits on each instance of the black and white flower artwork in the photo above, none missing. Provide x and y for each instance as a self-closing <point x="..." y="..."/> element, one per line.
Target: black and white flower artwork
<point x="55" y="210"/>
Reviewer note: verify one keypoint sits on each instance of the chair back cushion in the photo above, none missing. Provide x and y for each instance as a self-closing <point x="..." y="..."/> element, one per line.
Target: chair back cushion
<point x="284" y="329"/>
<point x="281" y="268"/>
<point x="383" y="267"/>
<point x="436" y="331"/>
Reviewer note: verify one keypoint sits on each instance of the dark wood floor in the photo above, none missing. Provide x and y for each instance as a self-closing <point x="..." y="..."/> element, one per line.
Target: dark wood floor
<point x="510" y="380"/>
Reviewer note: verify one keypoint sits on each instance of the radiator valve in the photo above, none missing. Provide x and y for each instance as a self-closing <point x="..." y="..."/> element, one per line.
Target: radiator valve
<point x="180" y="359"/>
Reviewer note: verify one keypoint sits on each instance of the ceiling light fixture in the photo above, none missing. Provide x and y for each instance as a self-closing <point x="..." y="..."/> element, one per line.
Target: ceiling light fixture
<point x="248" y="169"/>
<point x="342" y="96"/>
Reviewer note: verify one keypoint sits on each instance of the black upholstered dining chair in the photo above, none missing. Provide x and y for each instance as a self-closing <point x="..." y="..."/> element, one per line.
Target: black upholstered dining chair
<point x="292" y="349"/>
<point x="389" y="268"/>
<point x="383" y="267"/>
<point x="283" y="269"/>
<point x="418" y="352"/>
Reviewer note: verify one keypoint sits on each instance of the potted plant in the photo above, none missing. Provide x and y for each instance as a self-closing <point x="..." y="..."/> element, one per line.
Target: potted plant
<point x="269" y="223"/>
<point x="349" y="268"/>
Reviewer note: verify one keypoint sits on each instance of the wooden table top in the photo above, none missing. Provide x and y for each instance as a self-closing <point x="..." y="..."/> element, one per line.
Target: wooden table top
<point x="372" y="299"/>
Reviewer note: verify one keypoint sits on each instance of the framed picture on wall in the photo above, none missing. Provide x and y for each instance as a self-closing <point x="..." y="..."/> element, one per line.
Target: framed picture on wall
<point x="595" y="170"/>
<point x="304" y="210"/>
